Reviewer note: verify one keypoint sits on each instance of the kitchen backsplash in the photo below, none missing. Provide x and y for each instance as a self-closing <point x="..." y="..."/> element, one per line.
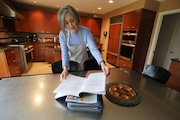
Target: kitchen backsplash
<point x="5" y="37"/>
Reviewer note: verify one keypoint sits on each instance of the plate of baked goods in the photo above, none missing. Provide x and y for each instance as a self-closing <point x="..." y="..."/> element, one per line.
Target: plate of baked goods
<point x="122" y="94"/>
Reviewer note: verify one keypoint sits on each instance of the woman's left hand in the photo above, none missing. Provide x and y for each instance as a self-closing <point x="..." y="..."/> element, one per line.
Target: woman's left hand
<point x="104" y="68"/>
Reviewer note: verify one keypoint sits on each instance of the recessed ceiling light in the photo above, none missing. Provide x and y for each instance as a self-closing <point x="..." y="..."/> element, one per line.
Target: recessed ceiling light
<point x="99" y="8"/>
<point x="34" y="2"/>
<point x="111" y="1"/>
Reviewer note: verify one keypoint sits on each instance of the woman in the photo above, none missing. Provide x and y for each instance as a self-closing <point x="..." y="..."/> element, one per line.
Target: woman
<point x="74" y="40"/>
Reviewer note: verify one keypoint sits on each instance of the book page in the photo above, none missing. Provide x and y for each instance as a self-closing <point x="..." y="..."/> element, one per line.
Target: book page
<point x="95" y="83"/>
<point x="74" y="85"/>
<point x="70" y="86"/>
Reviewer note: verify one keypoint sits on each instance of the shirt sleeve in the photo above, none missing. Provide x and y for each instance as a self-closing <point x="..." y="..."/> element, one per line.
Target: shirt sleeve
<point x="92" y="47"/>
<point x="64" y="49"/>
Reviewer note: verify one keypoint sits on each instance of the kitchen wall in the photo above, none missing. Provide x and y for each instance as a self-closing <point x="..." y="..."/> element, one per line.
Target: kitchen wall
<point x="147" y="4"/>
<point x="166" y="36"/>
<point x="165" y="8"/>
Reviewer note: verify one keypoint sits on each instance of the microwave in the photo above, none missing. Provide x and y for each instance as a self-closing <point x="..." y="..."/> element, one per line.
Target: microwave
<point x="127" y="51"/>
<point x="129" y="36"/>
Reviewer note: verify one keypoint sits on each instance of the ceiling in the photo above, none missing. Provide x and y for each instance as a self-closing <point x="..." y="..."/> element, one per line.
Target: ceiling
<point x="86" y="6"/>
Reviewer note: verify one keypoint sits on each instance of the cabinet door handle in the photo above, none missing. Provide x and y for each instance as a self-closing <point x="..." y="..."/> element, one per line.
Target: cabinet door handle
<point x="171" y="52"/>
<point x="14" y="61"/>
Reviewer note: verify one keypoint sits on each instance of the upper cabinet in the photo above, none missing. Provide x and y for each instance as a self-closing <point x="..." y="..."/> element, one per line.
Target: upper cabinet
<point x="132" y="20"/>
<point x="23" y="24"/>
<point x="94" y="24"/>
<point x="43" y="21"/>
<point x="51" y="23"/>
<point x="36" y="21"/>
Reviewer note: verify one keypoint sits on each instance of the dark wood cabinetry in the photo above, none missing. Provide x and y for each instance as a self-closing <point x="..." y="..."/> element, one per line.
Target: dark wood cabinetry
<point x="49" y="52"/>
<point x="36" y="21"/>
<point x="39" y="52"/>
<point x="143" y="39"/>
<point x="10" y="63"/>
<point x="43" y="21"/>
<point x="51" y="23"/>
<point x="124" y="63"/>
<point x="94" y="24"/>
<point x="132" y="20"/>
<point x="113" y="43"/>
<point x="174" y="80"/>
<point x="45" y="52"/>
<point x="111" y="58"/>
<point x="142" y="21"/>
<point x="22" y="25"/>
<point x="114" y="38"/>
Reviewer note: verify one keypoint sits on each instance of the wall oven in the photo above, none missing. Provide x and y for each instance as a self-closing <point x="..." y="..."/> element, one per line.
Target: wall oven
<point x="129" y="36"/>
<point x="127" y="51"/>
<point x="128" y="43"/>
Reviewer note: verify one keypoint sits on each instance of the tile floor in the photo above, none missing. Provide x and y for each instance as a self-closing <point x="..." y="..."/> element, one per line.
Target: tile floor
<point x="44" y="68"/>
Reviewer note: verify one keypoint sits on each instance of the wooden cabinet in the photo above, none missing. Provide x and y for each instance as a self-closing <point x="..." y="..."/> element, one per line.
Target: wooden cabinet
<point x="23" y="24"/>
<point x="143" y="39"/>
<point x="10" y="63"/>
<point x="114" y="38"/>
<point x="124" y="63"/>
<point x="36" y="21"/>
<point x="49" y="52"/>
<point x="39" y="52"/>
<point x="44" y="52"/>
<point x="142" y="20"/>
<point x="174" y="80"/>
<point x="132" y="20"/>
<point x="94" y="24"/>
<point x="112" y="59"/>
<point x="113" y="43"/>
<point x="57" y="54"/>
<point x="51" y="23"/>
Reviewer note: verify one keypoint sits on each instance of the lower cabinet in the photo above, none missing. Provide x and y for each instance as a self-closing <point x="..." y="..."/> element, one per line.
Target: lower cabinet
<point x="112" y="59"/>
<point x="45" y="52"/>
<point x="124" y="63"/>
<point x="174" y="80"/>
<point x="10" y="62"/>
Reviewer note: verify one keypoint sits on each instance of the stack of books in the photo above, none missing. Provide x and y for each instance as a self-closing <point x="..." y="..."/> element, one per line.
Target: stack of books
<point x="83" y="94"/>
<point x="85" y="103"/>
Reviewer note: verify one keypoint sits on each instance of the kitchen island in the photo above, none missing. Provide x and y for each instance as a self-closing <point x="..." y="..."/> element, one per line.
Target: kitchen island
<point x="31" y="98"/>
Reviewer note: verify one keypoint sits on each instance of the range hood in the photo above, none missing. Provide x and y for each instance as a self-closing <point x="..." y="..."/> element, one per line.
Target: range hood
<point x="7" y="12"/>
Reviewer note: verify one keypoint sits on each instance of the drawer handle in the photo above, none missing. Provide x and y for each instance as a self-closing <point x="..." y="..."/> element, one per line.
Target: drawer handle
<point x="14" y="61"/>
<point x="12" y="52"/>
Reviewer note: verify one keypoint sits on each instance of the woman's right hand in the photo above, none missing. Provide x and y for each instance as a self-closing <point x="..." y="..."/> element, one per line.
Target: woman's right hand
<point x="64" y="74"/>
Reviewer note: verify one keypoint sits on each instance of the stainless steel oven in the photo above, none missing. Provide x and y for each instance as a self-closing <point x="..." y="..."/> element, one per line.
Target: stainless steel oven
<point x="127" y="51"/>
<point x="129" y="36"/>
<point x="29" y="55"/>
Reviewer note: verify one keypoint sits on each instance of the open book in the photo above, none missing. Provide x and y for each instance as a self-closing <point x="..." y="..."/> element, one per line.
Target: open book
<point x="75" y="85"/>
